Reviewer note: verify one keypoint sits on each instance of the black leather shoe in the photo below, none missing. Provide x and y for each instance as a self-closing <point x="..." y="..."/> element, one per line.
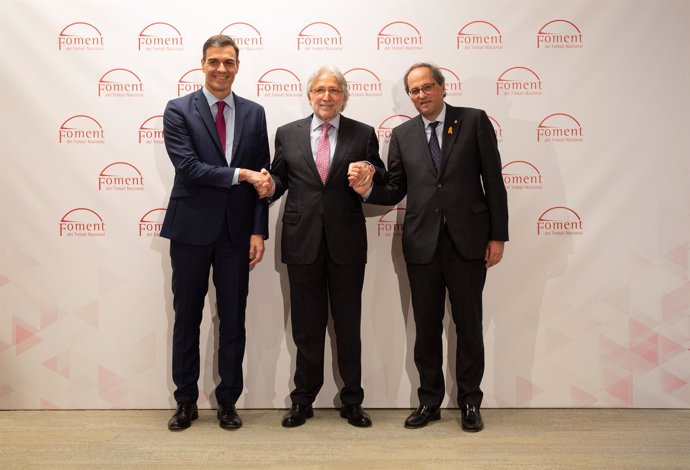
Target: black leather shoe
<point x="183" y="417"/>
<point x="355" y="415"/>
<point x="228" y="417"/>
<point x="422" y="416"/>
<point x="297" y="415"/>
<point x="472" y="419"/>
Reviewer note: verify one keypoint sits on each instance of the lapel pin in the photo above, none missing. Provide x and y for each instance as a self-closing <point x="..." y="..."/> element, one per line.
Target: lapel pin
<point x="450" y="129"/>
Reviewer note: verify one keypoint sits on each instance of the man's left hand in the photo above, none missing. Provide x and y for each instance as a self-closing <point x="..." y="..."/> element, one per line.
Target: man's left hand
<point x="256" y="249"/>
<point x="494" y="253"/>
<point x="360" y="176"/>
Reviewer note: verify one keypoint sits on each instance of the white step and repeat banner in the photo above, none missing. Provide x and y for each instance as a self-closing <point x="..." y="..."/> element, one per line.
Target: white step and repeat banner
<point x="589" y="99"/>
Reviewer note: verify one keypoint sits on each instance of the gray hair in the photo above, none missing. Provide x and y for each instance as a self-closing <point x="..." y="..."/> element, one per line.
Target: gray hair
<point x="335" y="72"/>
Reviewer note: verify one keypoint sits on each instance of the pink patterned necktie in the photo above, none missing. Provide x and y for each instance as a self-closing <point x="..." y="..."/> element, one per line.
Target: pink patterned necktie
<point x="220" y="123"/>
<point x="323" y="152"/>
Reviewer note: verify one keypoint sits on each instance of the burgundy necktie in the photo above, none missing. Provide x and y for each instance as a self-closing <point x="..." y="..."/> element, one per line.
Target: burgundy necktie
<point x="220" y="123"/>
<point x="323" y="152"/>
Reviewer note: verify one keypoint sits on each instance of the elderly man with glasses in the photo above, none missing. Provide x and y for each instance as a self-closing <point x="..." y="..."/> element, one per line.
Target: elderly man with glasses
<point x="324" y="240"/>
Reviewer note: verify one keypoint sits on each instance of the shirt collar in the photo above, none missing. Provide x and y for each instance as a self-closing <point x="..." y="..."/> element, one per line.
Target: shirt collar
<point x="229" y="100"/>
<point x="440" y="118"/>
<point x="316" y="122"/>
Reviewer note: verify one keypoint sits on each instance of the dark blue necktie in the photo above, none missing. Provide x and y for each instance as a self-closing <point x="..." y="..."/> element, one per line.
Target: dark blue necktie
<point x="434" y="147"/>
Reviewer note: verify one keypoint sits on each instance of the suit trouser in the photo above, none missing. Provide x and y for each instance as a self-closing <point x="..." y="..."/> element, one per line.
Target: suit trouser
<point x="464" y="280"/>
<point x="191" y="265"/>
<point x="311" y="286"/>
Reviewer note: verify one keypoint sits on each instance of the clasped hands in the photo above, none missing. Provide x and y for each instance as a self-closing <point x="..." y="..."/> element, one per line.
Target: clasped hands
<point x="360" y="176"/>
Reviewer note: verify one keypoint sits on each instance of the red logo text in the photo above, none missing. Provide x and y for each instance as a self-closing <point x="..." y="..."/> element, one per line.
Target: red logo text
<point x="151" y="130"/>
<point x="279" y="83"/>
<point x="399" y="36"/>
<point x="151" y="223"/>
<point x="363" y="82"/>
<point x="120" y="83"/>
<point x="120" y="176"/>
<point x="246" y="36"/>
<point x="559" y="127"/>
<point x="80" y="36"/>
<point x="385" y="129"/>
<point x="160" y="37"/>
<point x="82" y="222"/>
<point x="319" y="36"/>
<point x="391" y="223"/>
<point x="191" y="81"/>
<point x="518" y="81"/>
<point x="519" y="175"/>
<point x="479" y="35"/>
<point x="81" y="129"/>
<point x="498" y="130"/>
<point x="559" y="220"/>
<point x="559" y="34"/>
<point x="453" y="85"/>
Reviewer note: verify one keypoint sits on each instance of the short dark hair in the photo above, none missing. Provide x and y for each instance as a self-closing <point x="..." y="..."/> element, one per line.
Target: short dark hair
<point x="220" y="40"/>
<point x="435" y="72"/>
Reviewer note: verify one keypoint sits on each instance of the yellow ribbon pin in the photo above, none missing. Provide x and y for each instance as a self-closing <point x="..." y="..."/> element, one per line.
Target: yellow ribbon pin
<point x="450" y="131"/>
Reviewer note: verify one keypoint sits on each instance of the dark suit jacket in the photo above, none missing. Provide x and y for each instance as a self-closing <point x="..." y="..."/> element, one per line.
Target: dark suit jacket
<point x="203" y="195"/>
<point x="313" y="208"/>
<point x="468" y="192"/>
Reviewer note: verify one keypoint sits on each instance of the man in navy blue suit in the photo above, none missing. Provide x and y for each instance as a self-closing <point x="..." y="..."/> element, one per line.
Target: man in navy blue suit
<point x="218" y="145"/>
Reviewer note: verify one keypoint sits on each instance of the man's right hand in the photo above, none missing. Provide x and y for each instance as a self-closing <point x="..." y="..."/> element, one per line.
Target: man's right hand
<point x="262" y="181"/>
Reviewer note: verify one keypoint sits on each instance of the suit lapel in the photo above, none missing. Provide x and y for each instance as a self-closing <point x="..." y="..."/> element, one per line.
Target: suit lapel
<point x="239" y="124"/>
<point x="344" y="140"/>
<point x="304" y="143"/>
<point x="422" y="146"/>
<point x="201" y="105"/>
<point x="451" y="129"/>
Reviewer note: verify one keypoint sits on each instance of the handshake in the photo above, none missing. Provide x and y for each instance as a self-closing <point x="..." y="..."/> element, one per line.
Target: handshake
<point x="359" y="178"/>
<point x="261" y="180"/>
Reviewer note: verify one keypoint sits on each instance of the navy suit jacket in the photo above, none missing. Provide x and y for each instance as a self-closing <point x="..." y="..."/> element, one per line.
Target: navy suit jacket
<point x="203" y="194"/>
<point x="467" y="194"/>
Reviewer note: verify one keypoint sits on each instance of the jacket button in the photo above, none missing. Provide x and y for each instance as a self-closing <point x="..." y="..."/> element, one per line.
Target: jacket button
<point x="439" y="186"/>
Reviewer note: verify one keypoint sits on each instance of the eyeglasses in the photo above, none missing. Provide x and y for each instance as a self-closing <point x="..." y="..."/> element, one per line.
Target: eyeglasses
<point x="322" y="91"/>
<point x="426" y="88"/>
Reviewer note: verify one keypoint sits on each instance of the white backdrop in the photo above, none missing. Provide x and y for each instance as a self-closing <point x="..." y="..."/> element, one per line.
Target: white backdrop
<point x="590" y="306"/>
